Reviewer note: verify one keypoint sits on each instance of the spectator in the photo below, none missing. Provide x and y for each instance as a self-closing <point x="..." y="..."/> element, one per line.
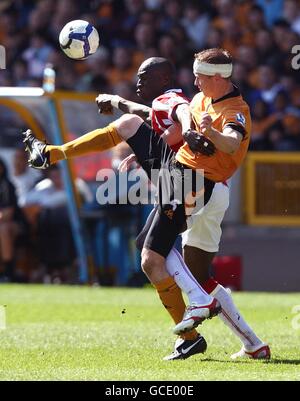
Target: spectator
<point x="265" y="47"/>
<point x="11" y="224"/>
<point x="262" y="122"/>
<point x="214" y="38"/>
<point x="125" y="90"/>
<point x="167" y="48"/>
<point x="24" y="178"/>
<point x="20" y="73"/>
<point x="268" y="84"/>
<point x="291" y="13"/>
<point x="231" y="35"/>
<point x="130" y="17"/>
<point x="37" y="55"/>
<point x="279" y="30"/>
<point x="272" y="9"/>
<point x="186" y="79"/>
<point x="171" y="15"/>
<point x="123" y="69"/>
<point x="240" y="78"/>
<point x="256" y="19"/>
<point x="54" y="235"/>
<point x="154" y="4"/>
<point x="247" y="55"/>
<point x="96" y="76"/>
<point x="145" y="38"/>
<point x="196" y="23"/>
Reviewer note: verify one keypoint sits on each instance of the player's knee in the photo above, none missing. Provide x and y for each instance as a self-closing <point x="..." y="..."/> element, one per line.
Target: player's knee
<point x="147" y="262"/>
<point x="151" y="262"/>
<point x="127" y="125"/>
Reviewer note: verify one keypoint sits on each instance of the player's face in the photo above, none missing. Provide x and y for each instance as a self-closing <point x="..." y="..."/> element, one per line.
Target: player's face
<point x="148" y="84"/>
<point x="205" y="84"/>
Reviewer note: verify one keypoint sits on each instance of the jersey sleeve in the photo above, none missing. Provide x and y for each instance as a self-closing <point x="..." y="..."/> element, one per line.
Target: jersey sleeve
<point x="173" y="103"/>
<point x="237" y="120"/>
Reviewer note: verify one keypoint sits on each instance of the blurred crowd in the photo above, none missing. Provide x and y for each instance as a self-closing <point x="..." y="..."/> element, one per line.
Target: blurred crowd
<point x="36" y="242"/>
<point x="36" y="238"/>
<point x="260" y="35"/>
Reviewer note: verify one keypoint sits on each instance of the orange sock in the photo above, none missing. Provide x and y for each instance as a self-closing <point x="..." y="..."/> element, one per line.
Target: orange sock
<point x="94" y="141"/>
<point x="171" y="297"/>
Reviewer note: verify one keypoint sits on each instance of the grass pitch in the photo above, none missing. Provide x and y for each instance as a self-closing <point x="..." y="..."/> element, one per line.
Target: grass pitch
<point x="82" y="333"/>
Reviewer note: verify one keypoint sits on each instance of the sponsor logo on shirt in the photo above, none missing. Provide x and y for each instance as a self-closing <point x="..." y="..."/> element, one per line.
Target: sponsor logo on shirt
<point x="241" y="119"/>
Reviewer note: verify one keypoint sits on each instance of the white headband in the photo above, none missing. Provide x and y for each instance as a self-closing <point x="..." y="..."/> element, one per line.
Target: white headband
<point x="200" y="67"/>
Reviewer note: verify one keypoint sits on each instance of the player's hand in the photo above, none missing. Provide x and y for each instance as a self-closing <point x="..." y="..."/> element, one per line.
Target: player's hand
<point x="126" y="163"/>
<point x="199" y="143"/>
<point x="104" y="103"/>
<point x="205" y="123"/>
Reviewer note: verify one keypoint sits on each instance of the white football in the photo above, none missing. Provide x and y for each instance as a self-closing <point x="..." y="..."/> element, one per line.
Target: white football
<point x="79" y="39"/>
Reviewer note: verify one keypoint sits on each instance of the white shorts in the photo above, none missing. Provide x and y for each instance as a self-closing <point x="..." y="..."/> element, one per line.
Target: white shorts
<point x="204" y="228"/>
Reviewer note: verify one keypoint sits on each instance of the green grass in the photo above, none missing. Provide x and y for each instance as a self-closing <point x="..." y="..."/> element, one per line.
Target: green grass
<point x="80" y="333"/>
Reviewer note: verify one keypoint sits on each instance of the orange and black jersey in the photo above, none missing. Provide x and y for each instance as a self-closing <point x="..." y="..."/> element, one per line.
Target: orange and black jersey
<point x="229" y="111"/>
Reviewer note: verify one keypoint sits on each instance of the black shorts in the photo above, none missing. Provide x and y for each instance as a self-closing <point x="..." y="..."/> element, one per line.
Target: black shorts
<point x="150" y="149"/>
<point x="175" y="180"/>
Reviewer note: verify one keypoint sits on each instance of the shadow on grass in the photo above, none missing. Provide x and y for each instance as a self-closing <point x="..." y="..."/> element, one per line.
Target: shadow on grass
<point x="285" y="361"/>
<point x="274" y="361"/>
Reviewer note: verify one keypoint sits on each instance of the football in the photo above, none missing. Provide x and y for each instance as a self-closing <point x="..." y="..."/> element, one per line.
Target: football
<point x="79" y="39"/>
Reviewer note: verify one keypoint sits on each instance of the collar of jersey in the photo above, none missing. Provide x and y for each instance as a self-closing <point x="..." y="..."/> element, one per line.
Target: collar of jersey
<point x="173" y="90"/>
<point x="234" y="93"/>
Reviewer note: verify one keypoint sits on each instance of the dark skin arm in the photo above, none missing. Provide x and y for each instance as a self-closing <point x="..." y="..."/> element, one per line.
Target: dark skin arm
<point x="107" y="103"/>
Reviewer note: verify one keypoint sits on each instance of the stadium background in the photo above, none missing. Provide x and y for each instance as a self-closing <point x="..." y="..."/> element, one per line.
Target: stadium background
<point x="261" y="228"/>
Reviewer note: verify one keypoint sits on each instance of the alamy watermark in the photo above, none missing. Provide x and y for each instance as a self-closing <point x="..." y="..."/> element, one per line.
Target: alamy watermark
<point x="296" y="59"/>
<point x="296" y="319"/>
<point x="2" y="58"/>
<point x="2" y="317"/>
<point x="175" y="187"/>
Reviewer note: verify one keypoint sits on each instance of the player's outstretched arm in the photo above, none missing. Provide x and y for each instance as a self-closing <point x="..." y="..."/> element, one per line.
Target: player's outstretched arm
<point x="107" y="103"/>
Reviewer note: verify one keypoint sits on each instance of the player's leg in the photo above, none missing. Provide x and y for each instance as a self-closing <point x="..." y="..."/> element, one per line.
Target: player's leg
<point x="154" y="252"/>
<point x="200" y="243"/>
<point x="177" y="269"/>
<point x="42" y="155"/>
<point x="153" y="264"/>
<point x="170" y="294"/>
<point x="159" y="241"/>
<point x="230" y="315"/>
<point x="167" y="223"/>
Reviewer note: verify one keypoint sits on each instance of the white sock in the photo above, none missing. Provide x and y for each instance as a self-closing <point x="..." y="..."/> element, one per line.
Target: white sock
<point x="234" y="320"/>
<point x="185" y="280"/>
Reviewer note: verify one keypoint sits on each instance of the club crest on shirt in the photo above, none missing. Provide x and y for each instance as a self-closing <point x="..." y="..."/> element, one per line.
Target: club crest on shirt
<point x="241" y="119"/>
